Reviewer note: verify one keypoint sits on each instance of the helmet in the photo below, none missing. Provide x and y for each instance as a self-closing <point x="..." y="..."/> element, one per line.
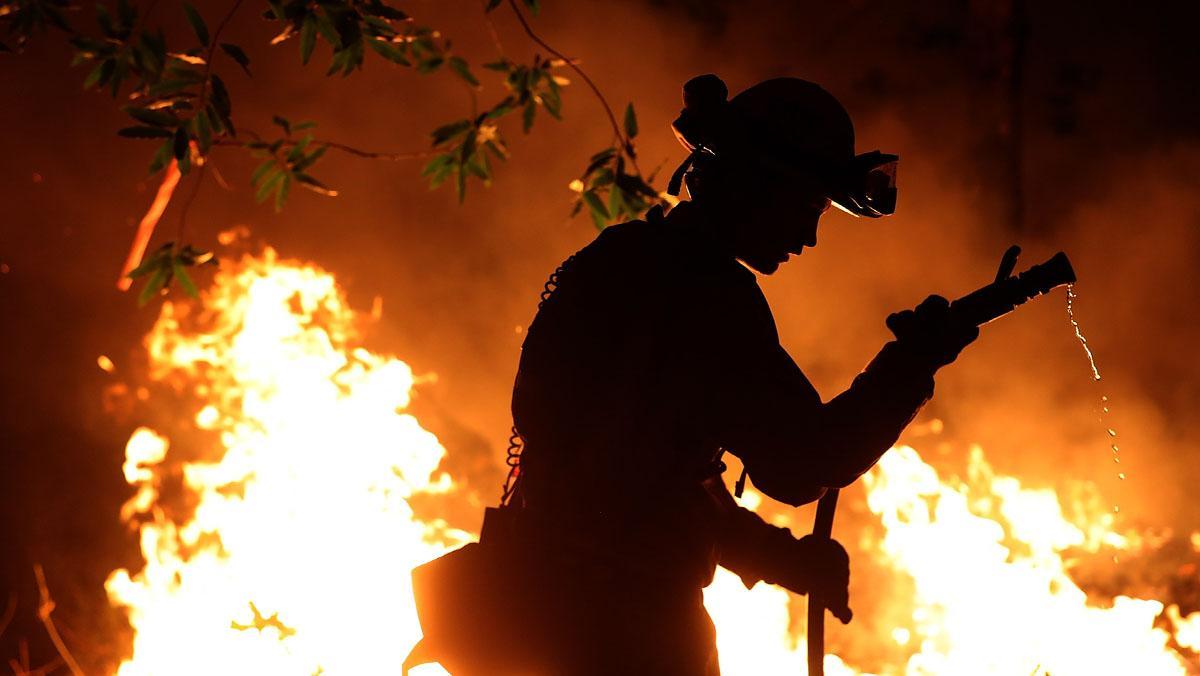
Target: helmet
<point x="786" y="125"/>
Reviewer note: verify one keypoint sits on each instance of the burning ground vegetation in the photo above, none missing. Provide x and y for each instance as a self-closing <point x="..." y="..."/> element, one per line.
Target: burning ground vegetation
<point x="278" y="508"/>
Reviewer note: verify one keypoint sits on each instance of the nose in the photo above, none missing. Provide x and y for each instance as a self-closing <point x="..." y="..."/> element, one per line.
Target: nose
<point x="806" y="235"/>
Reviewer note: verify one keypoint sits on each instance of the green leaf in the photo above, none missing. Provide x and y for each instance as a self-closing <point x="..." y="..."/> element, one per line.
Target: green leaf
<point x="185" y="281"/>
<point x="93" y="77"/>
<point x="163" y="156"/>
<point x="197" y="23"/>
<point x="631" y="125"/>
<point x="449" y="132"/>
<point x="308" y="38"/>
<point x="238" y="55"/>
<point x="596" y="204"/>
<point x="220" y="99"/>
<point x="145" y="132"/>
<point x="154" y="285"/>
<point x="203" y="131"/>
<point x="535" y="7"/>
<point x="265" y="188"/>
<point x="527" y="115"/>
<point x="281" y="194"/>
<point x="261" y="170"/>
<point x="429" y="65"/>
<point x="326" y="29"/>
<point x="151" y="262"/>
<point x="180" y="147"/>
<point x="311" y="159"/>
<point x="492" y="4"/>
<point x="283" y="124"/>
<point x="168" y="87"/>
<point x="459" y="66"/>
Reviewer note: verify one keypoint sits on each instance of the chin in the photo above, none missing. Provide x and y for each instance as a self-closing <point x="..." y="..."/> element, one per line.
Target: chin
<point x="763" y="267"/>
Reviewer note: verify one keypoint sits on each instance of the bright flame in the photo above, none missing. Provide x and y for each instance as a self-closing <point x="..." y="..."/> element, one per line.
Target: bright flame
<point x="296" y="556"/>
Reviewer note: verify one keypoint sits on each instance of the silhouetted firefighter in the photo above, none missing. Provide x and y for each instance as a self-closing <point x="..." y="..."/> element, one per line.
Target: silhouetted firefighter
<point x="652" y="351"/>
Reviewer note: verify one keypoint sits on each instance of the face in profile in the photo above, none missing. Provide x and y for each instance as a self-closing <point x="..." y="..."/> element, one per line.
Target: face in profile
<point x="778" y="219"/>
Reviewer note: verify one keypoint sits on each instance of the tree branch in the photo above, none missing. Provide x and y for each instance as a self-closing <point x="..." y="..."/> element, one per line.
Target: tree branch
<point x="146" y="228"/>
<point x="44" y="609"/>
<point x="351" y="150"/>
<point x="625" y="144"/>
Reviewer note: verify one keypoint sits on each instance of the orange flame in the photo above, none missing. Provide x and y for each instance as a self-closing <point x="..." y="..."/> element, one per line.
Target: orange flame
<point x="296" y="556"/>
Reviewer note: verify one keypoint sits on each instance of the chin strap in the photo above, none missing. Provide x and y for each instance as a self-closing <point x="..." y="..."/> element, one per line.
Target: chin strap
<point x="675" y="185"/>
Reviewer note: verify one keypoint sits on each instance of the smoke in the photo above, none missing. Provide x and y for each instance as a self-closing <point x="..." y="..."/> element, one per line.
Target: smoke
<point x="459" y="284"/>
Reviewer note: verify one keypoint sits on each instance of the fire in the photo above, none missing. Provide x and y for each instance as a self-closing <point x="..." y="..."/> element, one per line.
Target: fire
<point x="293" y="552"/>
<point x="296" y="556"/>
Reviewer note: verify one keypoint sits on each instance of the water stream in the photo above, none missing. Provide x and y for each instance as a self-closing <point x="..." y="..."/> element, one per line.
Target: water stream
<point x="1104" y="403"/>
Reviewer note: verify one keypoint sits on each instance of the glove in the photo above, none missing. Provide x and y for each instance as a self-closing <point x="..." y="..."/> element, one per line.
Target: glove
<point x="931" y="332"/>
<point x="820" y="567"/>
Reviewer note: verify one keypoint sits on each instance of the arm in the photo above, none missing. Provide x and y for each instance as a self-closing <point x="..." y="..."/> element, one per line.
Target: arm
<point x="793" y="445"/>
<point x="757" y="551"/>
<point x="766" y="412"/>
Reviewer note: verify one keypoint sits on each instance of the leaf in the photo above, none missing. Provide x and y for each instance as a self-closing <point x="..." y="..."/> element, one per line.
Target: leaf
<point x="261" y="170"/>
<point x="534" y="6"/>
<point x="448" y="132"/>
<point x="388" y="51"/>
<point x="203" y="131"/>
<point x="429" y="65"/>
<point x="185" y="281"/>
<point x="151" y="262"/>
<point x="144" y="132"/>
<point x="596" y="204"/>
<point x="197" y="23"/>
<point x="154" y="285"/>
<point x="93" y="78"/>
<point x="167" y="87"/>
<point x="281" y="194"/>
<point x="310" y="159"/>
<point x="220" y="99"/>
<point x="315" y="185"/>
<point x="631" y="125"/>
<point x="238" y="55"/>
<point x="283" y="124"/>
<point x="459" y="66"/>
<point x="527" y="115"/>
<point x="180" y="144"/>
<point x="326" y="29"/>
<point x="492" y="4"/>
<point x="308" y="38"/>
<point x="163" y="156"/>
<point x="265" y="188"/>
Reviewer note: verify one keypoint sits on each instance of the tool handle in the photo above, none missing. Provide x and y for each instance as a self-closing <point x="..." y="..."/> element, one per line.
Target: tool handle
<point x="822" y="527"/>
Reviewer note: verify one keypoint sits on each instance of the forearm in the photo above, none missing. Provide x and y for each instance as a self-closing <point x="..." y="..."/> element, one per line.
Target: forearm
<point x="795" y="453"/>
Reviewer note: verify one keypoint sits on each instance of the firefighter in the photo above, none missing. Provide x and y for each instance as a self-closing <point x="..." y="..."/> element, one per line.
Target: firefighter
<point x="653" y="352"/>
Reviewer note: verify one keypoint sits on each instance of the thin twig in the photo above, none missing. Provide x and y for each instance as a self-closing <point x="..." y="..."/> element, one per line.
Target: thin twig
<point x="44" y="609"/>
<point x="357" y="152"/>
<point x="626" y="144"/>
<point x="149" y="221"/>
<point x="187" y="204"/>
<point x="9" y="611"/>
<point x="202" y="104"/>
<point x="491" y="26"/>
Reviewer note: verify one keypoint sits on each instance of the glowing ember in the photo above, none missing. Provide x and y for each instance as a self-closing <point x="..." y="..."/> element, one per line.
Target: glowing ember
<point x="294" y="552"/>
<point x="296" y="558"/>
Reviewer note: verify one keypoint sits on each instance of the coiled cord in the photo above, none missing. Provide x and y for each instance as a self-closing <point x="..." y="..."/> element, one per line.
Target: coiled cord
<point x="516" y="443"/>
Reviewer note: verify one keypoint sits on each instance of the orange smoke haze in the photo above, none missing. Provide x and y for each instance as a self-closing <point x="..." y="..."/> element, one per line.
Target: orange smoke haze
<point x="1109" y="176"/>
